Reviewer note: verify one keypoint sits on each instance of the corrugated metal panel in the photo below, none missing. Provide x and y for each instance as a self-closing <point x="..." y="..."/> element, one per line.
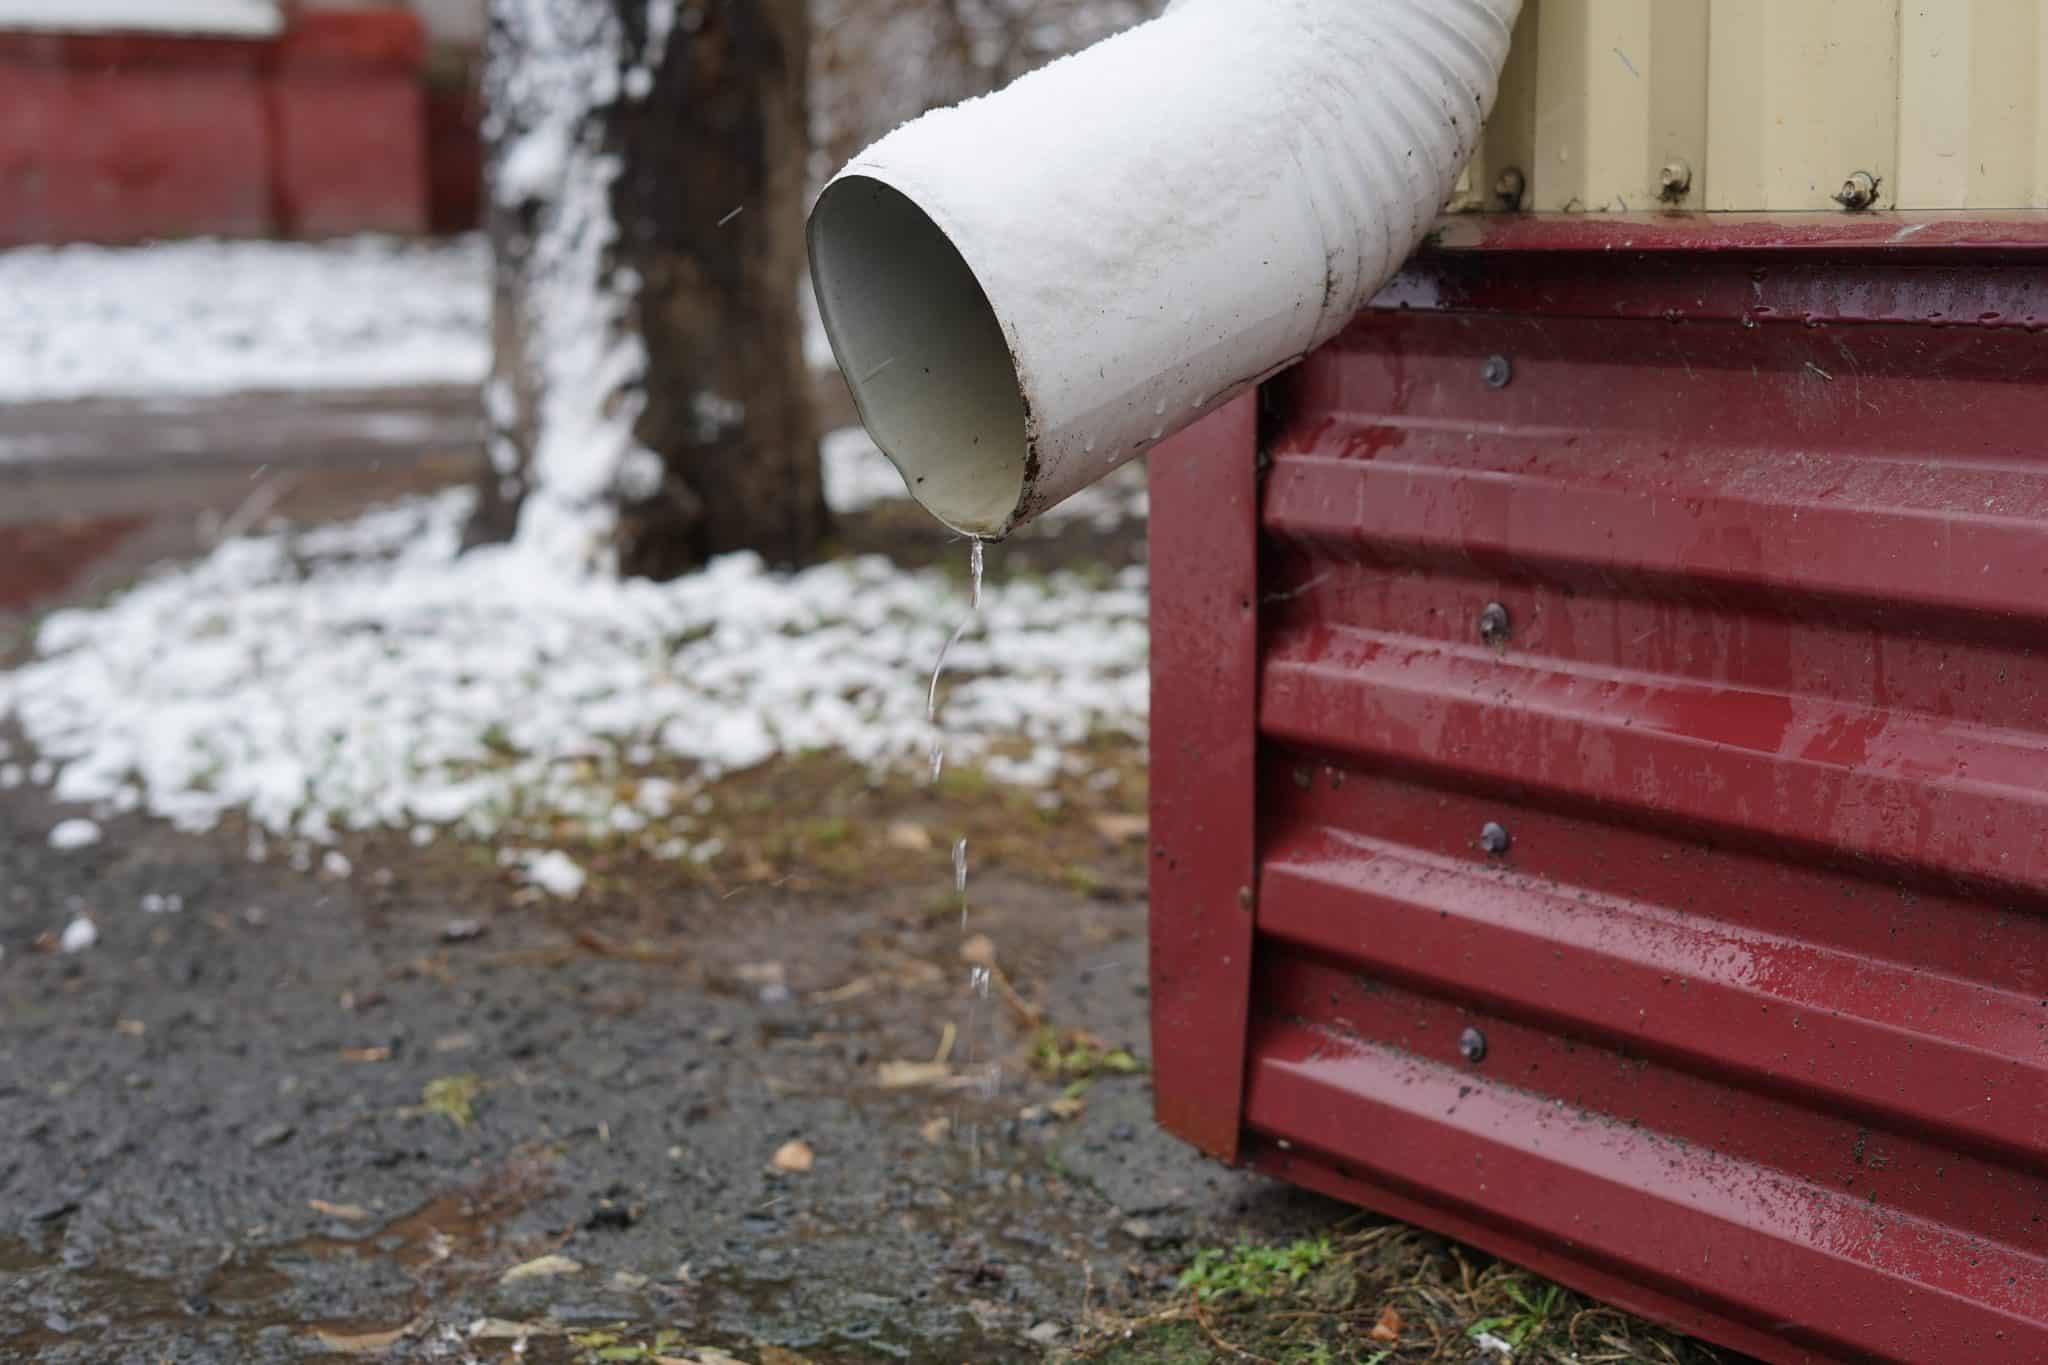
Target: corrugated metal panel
<point x="1772" y="105"/>
<point x="1746" y="1026"/>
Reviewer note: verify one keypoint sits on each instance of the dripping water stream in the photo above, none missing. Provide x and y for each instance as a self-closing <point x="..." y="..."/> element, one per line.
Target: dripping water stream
<point x="979" y="974"/>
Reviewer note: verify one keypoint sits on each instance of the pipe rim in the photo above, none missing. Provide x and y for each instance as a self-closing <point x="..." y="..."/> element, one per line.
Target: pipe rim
<point x="924" y="353"/>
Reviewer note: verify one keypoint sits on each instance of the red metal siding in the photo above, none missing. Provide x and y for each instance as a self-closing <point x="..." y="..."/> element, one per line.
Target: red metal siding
<point x="115" y="138"/>
<point x="1761" y="975"/>
<point x="351" y="124"/>
<point x="1205" y="658"/>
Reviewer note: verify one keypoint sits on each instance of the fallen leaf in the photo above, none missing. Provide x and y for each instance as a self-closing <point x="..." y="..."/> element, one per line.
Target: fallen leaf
<point x="775" y="1355"/>
<point x="1388" y="1328"/>
<point x="361" y="1343"/>
<point x="909" y="838"/>
<point x="912" y="1075"/>
<point x="915" y="971"/>
<point x="795" y="1157"/>
<point x="934" y="1131"/>
<point x="1122" y="829"/>
<point x="979" y="951"/>
<point x="366" y="1054"/>
<point x="543" y="1267"/>
<point x="348" y="1213"/>
<point x="454" y="1096"/>
<point x="1067" y="1107"/>
<point x="760" y="973"/>
<point x="852" y="990"/>
<point x="130" y="1028"/>
<point x="501" y="1329"/>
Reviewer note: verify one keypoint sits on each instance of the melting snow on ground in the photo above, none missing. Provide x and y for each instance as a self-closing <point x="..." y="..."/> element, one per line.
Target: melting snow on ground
<point x="74" y="834"/>
<point x="367" y="675"/>
<point x="199" y="318"/>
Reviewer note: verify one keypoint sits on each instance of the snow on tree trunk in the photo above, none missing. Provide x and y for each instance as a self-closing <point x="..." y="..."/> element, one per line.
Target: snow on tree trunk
<point x="647" y="404"/>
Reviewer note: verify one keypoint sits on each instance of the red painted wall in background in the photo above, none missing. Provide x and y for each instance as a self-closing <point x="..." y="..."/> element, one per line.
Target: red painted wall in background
<point x="118" y="138"/>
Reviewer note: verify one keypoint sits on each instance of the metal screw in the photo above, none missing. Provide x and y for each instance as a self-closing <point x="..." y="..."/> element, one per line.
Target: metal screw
<point x="1493" y="837"/>
<point x="1859" y="191"/>
<point x="1509" y="187"/>
<point x="1496" y="372"/>
<point x="1676" y="180"/>
<point x="1493" y="624"/>
<point x="1472" y="1046"/>
<point x="1244" y="899"/>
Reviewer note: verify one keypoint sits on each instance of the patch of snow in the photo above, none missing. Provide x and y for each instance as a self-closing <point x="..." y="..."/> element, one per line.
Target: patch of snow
<point x="857" y="474"/>
<point x="817" y="344"/>
<point x="81" y="933"/>
<point x="554" y="872"/>
<point x="207" y="318"/>
<point x="74" y="834"/>
<point x="548" y="69"/>
<point x="241" y="18"/>
<point x="1123" y="496"/>
<point x="1487" y="1341"/>
<point x="335" y="864"/>
<point x="369" y="675"/>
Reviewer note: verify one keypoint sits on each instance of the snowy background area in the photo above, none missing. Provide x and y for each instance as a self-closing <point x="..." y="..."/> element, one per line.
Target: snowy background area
<point x="205" y="318"/>
<point x="368" y="676"/>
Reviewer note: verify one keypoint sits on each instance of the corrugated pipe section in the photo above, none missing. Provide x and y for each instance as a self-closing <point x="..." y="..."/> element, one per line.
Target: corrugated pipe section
<point x="1028" y="290"/>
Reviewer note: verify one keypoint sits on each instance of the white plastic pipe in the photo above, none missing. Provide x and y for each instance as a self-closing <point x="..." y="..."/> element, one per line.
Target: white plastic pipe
<point x="1030" y="289"/>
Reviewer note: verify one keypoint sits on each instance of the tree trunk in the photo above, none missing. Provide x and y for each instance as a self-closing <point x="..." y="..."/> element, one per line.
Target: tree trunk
<point x="648" y="402"/>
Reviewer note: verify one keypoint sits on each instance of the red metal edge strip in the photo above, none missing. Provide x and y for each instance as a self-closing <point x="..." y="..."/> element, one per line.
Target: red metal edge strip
<point x="1906" y="234"/>
<point x="1205" y="645"/>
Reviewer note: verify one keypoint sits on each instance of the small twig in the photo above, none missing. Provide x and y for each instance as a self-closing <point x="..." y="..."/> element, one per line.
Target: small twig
<point x="1202" y="1321"/>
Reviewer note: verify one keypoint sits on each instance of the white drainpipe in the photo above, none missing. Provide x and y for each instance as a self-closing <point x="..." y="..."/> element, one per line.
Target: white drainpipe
<point x="1030" y="289"/>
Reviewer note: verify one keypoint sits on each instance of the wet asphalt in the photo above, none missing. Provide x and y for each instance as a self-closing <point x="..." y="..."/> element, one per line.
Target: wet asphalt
<point x="217" y="1141"/>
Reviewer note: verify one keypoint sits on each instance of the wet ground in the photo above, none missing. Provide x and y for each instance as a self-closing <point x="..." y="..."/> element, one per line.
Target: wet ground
<point x="298" y="1114"/>
<point x="413" y="1113"/>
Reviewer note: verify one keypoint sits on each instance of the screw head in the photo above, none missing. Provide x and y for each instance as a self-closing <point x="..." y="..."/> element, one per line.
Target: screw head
<point x="1472" y="1046"/>
<point x="1493" y="837"/>
<point x="1494" y="626"/>
<point x="1509" y="187"/>
<point x="1497" y="372"/>
<point x="1675" y="180"/>
<point x="1859" y="191"/>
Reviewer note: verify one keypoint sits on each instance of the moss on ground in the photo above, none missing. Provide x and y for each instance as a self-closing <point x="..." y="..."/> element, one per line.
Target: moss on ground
<point x="1377" y="1293"/>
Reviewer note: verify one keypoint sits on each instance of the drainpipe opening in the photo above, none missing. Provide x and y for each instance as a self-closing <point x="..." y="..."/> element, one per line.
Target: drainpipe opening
<point x="923" y="353"/>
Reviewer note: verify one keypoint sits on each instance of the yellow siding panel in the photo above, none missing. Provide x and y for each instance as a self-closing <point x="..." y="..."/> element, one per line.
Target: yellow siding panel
<point x="1772" y="104"/>
<point x="1801" y="95"/>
